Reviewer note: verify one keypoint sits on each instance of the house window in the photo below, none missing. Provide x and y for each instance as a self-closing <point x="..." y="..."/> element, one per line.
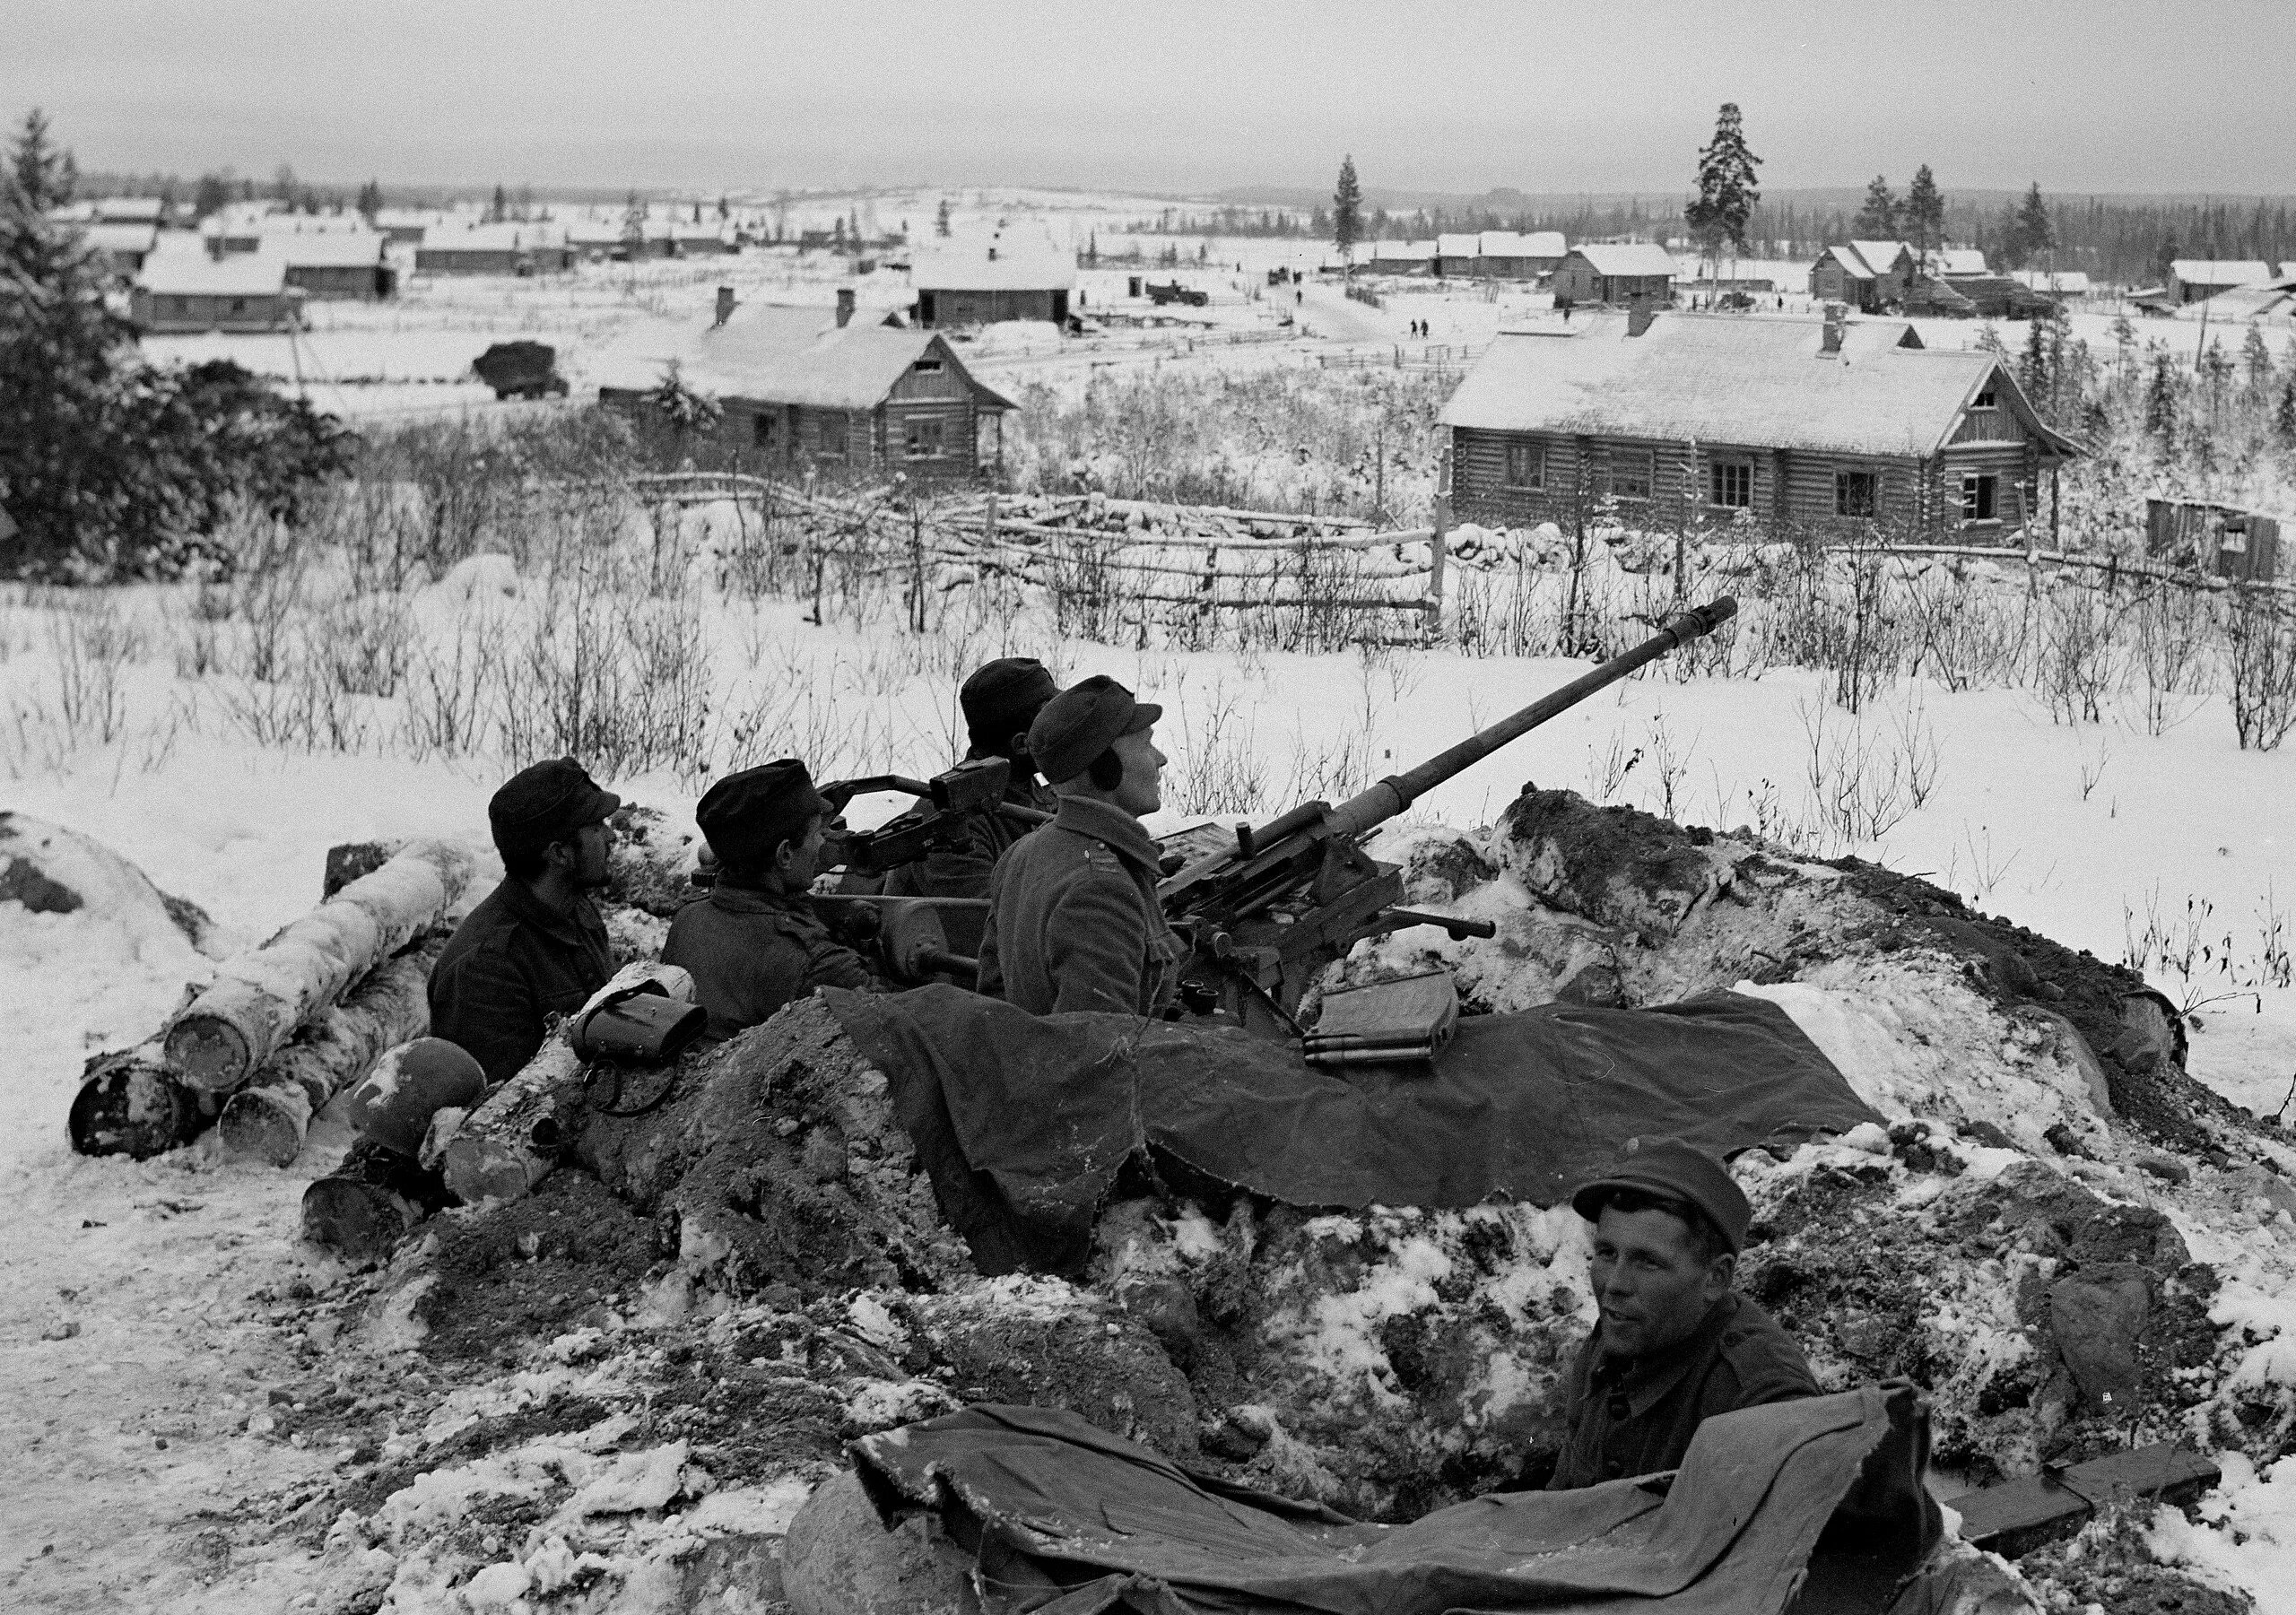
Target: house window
<point x="829" y="436"/>
<point x="1525" y="466"/>
<point x="1853" y="493"/>
<point x="1631" y="472"/>
<point x="182" y="304"/>
<point x="1979" y="496"/>
<point x="761" y="429"/>
<point x="1733" y="484"/>
<point x="925" y="440"/>
<point x="1988" y="399"/>
<point x="926" y="367"/>
<point x="238" y="305"/>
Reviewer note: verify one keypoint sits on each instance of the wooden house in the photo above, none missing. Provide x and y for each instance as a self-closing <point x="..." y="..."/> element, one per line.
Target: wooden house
<point x="1400" y="258"/>
<point x="335" y="265"/>
<point x="1500" y="254"/>
<point x="1614" y="272"/>
<point x="1454" y="253"/>
<point x="515" y="248"/>
<point x="2221" y="541"/>
<point x="1805" y="423"/>
<point x="1006" y="277"/>
<point x="177" y="293"/>
<point x="1869" y="276"/>
<point x="804" y="387"/>
<point x="124" y="247"/>
<point x="2192" y="279"/>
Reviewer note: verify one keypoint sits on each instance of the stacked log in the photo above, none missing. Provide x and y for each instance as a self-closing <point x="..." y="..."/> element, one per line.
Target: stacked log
<point x="269" y="1117"/>
<point x="261" y="996"/>
<point x="130" y="1104"/>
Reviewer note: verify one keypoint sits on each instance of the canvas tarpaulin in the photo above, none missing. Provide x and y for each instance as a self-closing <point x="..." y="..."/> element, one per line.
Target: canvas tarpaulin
<point x="1024" y="1121"/>
<point x="1064" y="1519"/>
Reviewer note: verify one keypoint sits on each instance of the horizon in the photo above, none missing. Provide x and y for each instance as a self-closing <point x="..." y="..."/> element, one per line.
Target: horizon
<point x="583" y="96"/>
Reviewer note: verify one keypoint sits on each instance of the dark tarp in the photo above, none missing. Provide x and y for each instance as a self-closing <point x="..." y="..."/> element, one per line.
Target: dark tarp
<point x="1024" y="1121"/>
<point x="1064" y="1519"/>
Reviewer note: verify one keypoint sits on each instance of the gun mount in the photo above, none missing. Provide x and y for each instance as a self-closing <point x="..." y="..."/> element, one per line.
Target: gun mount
<point x="1264" y="916"/>
<point x="944" y="802"/>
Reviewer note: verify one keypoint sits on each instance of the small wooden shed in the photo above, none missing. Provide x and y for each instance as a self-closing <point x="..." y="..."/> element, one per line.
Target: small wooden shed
<point x="1616" y="274"/>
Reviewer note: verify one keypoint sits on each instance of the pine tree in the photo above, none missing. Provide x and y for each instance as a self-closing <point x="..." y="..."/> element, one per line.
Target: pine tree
<point x="2035" y="234"/>
<point x="2256" y="357"/>
<point x="1346" y="209"/>
<point x="1727" y="193"/>
<point x="2033" y="367"/>
<point x="42" y="175"/>
<point x="2160" y="402"/>
<point x="1877" y="221"/>
<point x="498" y="209"/>
<point x="1925" y="213"/>
<point x="212" y="194"/>
<point x="634" y="227"/>
<point x="2284" y="418"/>
<point x="941" y="219"/>
<point x="370" y="199"/>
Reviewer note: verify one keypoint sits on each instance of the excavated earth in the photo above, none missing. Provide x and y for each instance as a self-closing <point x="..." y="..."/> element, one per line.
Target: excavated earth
<point x="617" y="1390"/>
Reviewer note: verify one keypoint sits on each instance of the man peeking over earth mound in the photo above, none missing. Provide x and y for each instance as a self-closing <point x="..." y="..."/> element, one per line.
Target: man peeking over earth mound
<point x="1674" y="1345"/>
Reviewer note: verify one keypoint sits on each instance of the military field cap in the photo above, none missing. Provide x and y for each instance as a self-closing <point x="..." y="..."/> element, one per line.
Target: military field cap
<point x="1674" y="1170"/>
<point x="746" y="815"/>
<point x="1081" y="722"/>
<point x="548" y="803"/>
<point x="1004" y="697"/>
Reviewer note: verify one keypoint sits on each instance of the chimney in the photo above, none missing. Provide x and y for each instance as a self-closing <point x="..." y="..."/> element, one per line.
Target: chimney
<point x="1639" y="314"/>
<point x="1837" y="318"/>
<point x="844" y="307"/>
<point x="725" y="304"/>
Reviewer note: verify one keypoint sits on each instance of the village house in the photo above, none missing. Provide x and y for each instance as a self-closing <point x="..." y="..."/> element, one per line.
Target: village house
<point x="129" y="209"/>
<point x="1614" y="272"/>
<point x="814" y="387"/>
<point x="178" y="292"/>
<point x="335" y="265"/>
<point x="2192" y="279"/>
<point x="1957" y="260"/>
<point x="599" y="240"/>
<point x="1675" y="417"/>
<point x="1006" y="277"/>
<point x="709" y="239"/>
<point x="1869" y="276"/>
<point x="524" y="249"/>
<point x="1401" y="258"/>
<point x="124" y="247"/>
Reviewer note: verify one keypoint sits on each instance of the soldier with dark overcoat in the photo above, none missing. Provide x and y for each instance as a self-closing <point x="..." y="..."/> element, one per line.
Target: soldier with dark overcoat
<point x="1674" y="1344"/>
<point x="1074" y="923"/>
<point x="752" y="942"/>
<point x="999" y="702"/>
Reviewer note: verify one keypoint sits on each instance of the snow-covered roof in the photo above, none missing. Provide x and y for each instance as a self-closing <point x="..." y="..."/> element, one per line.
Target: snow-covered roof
<point x="1008" y="261"/>
<point x="2221" y="272"/>
<point x="1627" y="258"/>
<point x="194" y="273"/>
<point x="1757" y="384"/>
<point x="602" y="232"/>
<point x="325" y="248"/>
<point x="1959" y="260"/>
<point x="1456" y="244"/>
<point x="781" y="355"/>
<point x="1515" y="244"/>
<point x="2264" y="298"/>
<point x="120" y="238"/>
<point x="1867" y="260"/>
<point x="2065" y="282"/>
<point x="129" y="209"/>
<point x="1403" y="252"/>
<point x="516" y="236"/>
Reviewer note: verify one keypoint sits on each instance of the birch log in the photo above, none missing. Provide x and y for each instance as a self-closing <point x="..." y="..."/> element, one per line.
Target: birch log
<point x="512" y="1140"/>
<point x="130" y="1103"/>
<point x="269" y="1117"/>
<point x="261" y="996"/>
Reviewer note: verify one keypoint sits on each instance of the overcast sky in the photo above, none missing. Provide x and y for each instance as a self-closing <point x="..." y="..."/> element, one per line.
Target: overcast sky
<point x="1164" y="95"/>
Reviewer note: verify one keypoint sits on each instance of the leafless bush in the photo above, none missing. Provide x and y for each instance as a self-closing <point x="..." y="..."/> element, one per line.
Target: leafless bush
<point x="2262" y="674"/>
<point x="450" y="692"/>
<point x="88" y="649"/>
<point x="2204" y="963"/>
<point x="1221" y="770"/>
<point x="2171" y="654"/>
<point x="2079" y="653"/>
<point x="1863" y="783"/>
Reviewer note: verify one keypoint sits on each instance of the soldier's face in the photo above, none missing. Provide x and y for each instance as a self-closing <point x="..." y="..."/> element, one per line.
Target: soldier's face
<point x="1142" y="790"/>
<point x="803" y="858"/>
<point x="591" y="843"/>
<point x="1649" y="1282"/>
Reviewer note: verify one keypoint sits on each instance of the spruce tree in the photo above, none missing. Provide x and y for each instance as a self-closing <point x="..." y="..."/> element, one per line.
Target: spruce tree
<point x="500" y="208"/>
<point x="1877" y="221"/>
<point x="2033" y="367"/>
<point x="2160" y="402"/>
<point x="941" y="219"/>
<point x="42" y="175"/>
<point x="2035" y="234"/>
<point x="212" y="194"/>
<point x="1346" y="209"/>
<point x="2284" y="418"/>
<point x="1925" y="213"/>
<point x="1727" y="193"/>
<point x="2256" y="357"/>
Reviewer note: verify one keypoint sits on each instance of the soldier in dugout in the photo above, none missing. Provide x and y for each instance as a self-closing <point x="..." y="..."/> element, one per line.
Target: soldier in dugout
<point x="536" y="947"/>
<point x="999" y="702"/>
<point x="1074" y="923"/>
<point x="1674" y="1344"/>
<point x="752" y="942"/>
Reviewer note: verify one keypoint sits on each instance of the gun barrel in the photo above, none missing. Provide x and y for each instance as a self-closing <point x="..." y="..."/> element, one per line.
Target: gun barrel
<point x="1396" y="792"/>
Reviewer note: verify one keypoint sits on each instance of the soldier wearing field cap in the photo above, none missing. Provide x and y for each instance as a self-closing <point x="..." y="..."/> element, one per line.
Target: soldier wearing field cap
<point x="1673" y="1345"/>
<point x="1073" y="918"/>
<point x="752" y="942"/>
<point x="999" y="702"/>
<point x="536" y="947"/>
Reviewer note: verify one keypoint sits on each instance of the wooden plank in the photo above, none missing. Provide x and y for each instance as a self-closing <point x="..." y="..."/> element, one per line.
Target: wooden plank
<point x="2020" y="1515"/>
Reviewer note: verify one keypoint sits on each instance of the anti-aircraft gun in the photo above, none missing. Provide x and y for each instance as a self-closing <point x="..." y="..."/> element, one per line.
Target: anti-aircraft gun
<point x="1262" y="915"/>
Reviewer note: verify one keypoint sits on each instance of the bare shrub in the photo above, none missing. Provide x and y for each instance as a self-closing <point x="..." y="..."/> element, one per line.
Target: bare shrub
<point x="1861" y="781"/>
<point x="2080" y="649"/>
<point x="1221" y="770"/>
<point x="2171" y="654"/>
<point x="88" y="650"/>
<point x="2262" y="674"/>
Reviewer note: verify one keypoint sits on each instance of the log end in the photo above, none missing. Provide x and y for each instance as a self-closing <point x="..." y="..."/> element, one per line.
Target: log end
<point x="479" y="1170"/>
<point x="130" y="1108"/>
<point x="840" y="1559"/>
<point x="260" y="1124"/>
<point x="359" y="1221"/>
<point x="208" y="1052"/>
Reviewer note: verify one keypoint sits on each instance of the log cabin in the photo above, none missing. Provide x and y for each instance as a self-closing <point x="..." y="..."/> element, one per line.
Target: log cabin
<point x="811" y="386"/>
<point x="1869" y="276"/>
<point x="178" y="292"/>
<point x="1665" y="417"/>
<point x="1616" y="274"/>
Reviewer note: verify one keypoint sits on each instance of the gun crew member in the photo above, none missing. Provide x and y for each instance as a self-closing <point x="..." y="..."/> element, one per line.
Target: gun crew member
<point x="536" y="947"/>
<point x="1073" y="918"/>
<point x="1674" y="1345"/>
<point x="752" y="942"/>
<point x="999" y="702"/>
